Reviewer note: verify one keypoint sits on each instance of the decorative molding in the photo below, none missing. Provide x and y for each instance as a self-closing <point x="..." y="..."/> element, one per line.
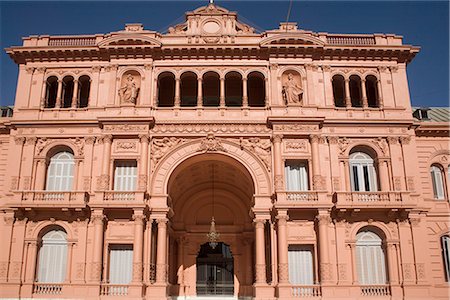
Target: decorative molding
<point x="295" y="128"/>
<point x="259" y="147"/>
<point x="343" y="145"/>
<point x="125" y="128"/>
<point x="211" y="144"/>
<point x="125" y="146"/>
<point x="161" y="147"/>
<point x="190" y="128"/>
<point x="298" y="145"/>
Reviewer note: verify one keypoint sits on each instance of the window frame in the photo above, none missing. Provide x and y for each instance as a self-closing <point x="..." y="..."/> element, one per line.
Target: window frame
<point x="56" y="179"/>
<point x="363" y="172"/>
<point x="123" y="181"/>
<point x="437" y="182"/>
<point x="445" y="248"/>
<point x="374" y="248"/>
<point x="303" y="175"/>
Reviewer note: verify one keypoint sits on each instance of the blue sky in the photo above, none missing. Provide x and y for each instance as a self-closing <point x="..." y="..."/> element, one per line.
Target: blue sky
<point x="424" y="24"/>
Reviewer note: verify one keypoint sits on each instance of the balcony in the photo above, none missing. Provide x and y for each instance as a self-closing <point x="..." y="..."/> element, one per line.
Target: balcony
<point x="109" y="289"/>
<point x="119" y="199"/>
<point x="375" y="290"/>
<point x="47" y="288"/>
<point x="306" y="291"/>
<point x="378" y="200"/>
<point x="303" y="199"/>
<point x="49" y="199"/>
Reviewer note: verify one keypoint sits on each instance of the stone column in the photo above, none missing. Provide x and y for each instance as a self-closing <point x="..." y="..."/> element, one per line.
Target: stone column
<point x="365" y="104"/>
<point x="407" y="252"/>
<point x="244" y="92"/>
<point x="421" y="257"/>
<point x="398" y="175"/>
<point x="260" y="267"/>
<point x="93" y="91"/>
<point x="323" y="219"/>
<point x="354" y="267"/>
<point x="348" y="101"/>
<point x="105" y="177"/>
<point x="40" y="174"/>
<point x="384" y="175"/>
<point x="143" y="162"/>
<point x="317" y="177"/>
<point x="180" y="263"/>
<point x="222" y="92"/>
<point x="96" y="268"/>
<point x="147" y="249"/>
<point x="380" y="95"/>
<point x="267" y="91"/>
<point x="69" y="263"/>
<point x="138" y="218"/>
<point x="6" y="235"/>
<point x="277" y="160"/>
<point x="177" y="100"/>
<point x="43" y="94"/>
<point x="27" y="163"/>
<point x="59" y="94"/>
<point x="31" y="262"/>
<point x="199" y="92"/>
<point x="283" y="271"/>
<point x="75" y="94"/>
<point x="161" y="265"/>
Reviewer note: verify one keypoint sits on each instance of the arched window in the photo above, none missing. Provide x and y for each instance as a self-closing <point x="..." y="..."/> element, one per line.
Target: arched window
<point x="437" y="181"/>
<point x="370" y="258"/>
<point x="166" y="89"/>
<point x="188" y="89"/>
<point x="363" y="175"/>
<point x="51" y="91"/>
<point x="60" y="172"/>
<point x="371" y="91"/>
<point x="445" y="240"/>
<point x="84" y="88"/>
<point x="256" y="89"/>
<point x="233" y="89"/>
<point x="338" y="83"/>
<point x="52" y="259"/>
<point x="211" y="89"/>
<point x="355" y="91"/>
<point x="67" y="93"/>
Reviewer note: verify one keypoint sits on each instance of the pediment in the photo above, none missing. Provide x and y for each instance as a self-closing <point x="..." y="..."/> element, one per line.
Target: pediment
<point x="291" y="40"/>
<point x="129" y="40"/>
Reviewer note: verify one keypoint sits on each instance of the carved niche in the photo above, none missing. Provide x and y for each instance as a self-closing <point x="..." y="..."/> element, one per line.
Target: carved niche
<point x="129" y="87"/>
<point x="292" y="88"/>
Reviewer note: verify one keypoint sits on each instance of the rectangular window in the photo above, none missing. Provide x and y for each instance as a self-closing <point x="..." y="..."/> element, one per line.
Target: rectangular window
<point x="296" y="175"/>
<point x="446" y="256"/>
<point x="125" y="174"/>
<point x="301" y="264"/>
<point x="120" y="264"/>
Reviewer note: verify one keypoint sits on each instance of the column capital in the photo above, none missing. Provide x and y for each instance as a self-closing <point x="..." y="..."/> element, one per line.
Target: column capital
<point x="138" y="219"/>
<point x="314" y="138"/>
<point x="19" y="140"/>
<point x="162" y="222"/>
<point x="107" y="138"/>
<point x="332" y="139"/>
<point x="323" y="218"/>
<point x="30" y="140"/>
<point x="392" y="140"/>
<point x="144" y="138"/>
<point x="277" y="138"/>
<point x="89" y="140"/>
<point x="259" y="223"/>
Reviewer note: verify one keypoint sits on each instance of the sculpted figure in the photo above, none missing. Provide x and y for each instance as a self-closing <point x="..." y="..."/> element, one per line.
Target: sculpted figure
<point x="129" y="91"/>
<point x="292" y="92"/>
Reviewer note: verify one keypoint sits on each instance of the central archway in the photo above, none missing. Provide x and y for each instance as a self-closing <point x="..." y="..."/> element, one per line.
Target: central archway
<point x="200" y="187"/>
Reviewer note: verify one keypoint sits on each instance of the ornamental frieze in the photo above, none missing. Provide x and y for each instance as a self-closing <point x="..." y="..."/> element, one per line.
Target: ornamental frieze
<point x="211" y="128"/>
<point x="125" y="128"/>
<point x="259" y="147"/>
<point x="297" y="145"/>
<point x="125" y="146"/>
<point x="211" y="144"/>
<point x="43" y="142"/>
<point x="296" y="128"/>
<point x="161" y="146"/>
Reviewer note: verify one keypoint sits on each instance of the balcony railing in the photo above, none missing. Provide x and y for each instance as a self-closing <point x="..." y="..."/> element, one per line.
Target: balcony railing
<point x="376" y="290"/>
<point x="118" y="198"/>
<point x="303" y="198"/>
<point x="373" y="199"/>
<point x="300" y="291"/>
<point x="109" y="289"/>
<point x="350" y="40"/>
<point x="83" y="41"/>
<point x="47" y="288"/>
<point x="68" y="199"/>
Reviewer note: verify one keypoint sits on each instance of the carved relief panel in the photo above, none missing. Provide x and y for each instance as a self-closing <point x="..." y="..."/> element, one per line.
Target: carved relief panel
<point x="292" y="88"/>
<point x="129" y="89"/>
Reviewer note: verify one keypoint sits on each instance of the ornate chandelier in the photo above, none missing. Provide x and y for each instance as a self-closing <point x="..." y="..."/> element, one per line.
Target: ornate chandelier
<point x="213" y="235"/>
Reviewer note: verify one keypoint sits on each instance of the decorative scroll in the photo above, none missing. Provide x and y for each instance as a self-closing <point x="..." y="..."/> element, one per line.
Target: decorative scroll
<point x="211" y="144"/>
<point x="161" y="146"/>
<point x="259" y="147"/>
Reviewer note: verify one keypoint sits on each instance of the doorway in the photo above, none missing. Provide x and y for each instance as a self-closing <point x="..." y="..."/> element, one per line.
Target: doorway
<point x="215" y="270"/>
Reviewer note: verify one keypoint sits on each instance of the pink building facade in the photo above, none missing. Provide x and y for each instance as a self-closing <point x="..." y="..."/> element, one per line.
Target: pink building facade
<point x="301" y="146"/>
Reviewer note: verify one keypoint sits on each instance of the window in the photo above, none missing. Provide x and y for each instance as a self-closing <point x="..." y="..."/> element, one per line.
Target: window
<point x="189" y="88"/>
<point x="256" y="89"/>
<point x="166" y="89"/>
<point x="355" y="91"/>
<point x="296" y="176"/>
<point x="84" y="88"/>
<point x="370" y="258"/>
<point x="233" y="89"/>
<point x="120" y="265"/>
<point x="437" y="182"/>
<point x="60" y="172"/>
<point x="125" y="173"/>
<point x="363" y="176"/>
<point x="51" y="91"/>
<point x="371" y="91"/>
<point x="52" y="259"/>
<point x="339" y="90"/>
<point x="301" y="269"/>
<point x="211" y="89"/>
<point x="67" y="93"/>
<point x="446" y="255"/>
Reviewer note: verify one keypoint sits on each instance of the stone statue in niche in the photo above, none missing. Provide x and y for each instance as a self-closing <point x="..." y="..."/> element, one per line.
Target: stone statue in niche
<point x="292" y="91"/>
<point x="128" y="92"/>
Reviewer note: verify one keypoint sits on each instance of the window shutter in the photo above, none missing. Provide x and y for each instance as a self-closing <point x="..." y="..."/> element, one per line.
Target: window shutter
<point x="120" y="264"/>
<point x="125" y="174"/>
<point x="52" y="262"/>
<point x="437" y="182"/>
<point x="370" y="259"/>
<point x="446" y="255"/>
<point x="60" y="172"/>
<point x="301" y="265"/>
<point x="296" y="174"/>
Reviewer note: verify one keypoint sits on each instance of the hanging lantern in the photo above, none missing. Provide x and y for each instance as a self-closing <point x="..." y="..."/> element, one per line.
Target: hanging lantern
<point x="213" y="235"/>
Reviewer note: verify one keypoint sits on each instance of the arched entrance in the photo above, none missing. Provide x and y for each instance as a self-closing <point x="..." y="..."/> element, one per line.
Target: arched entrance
<point x="202" y="186"/>
<point x="215" y="270"/>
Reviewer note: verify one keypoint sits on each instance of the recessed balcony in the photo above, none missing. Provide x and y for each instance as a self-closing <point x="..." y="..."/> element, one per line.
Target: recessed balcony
<point x="303" y="199"/>
<point x="50" y="199"/>
<point x="378" y="200"/>
<point x="119" y="199"/>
